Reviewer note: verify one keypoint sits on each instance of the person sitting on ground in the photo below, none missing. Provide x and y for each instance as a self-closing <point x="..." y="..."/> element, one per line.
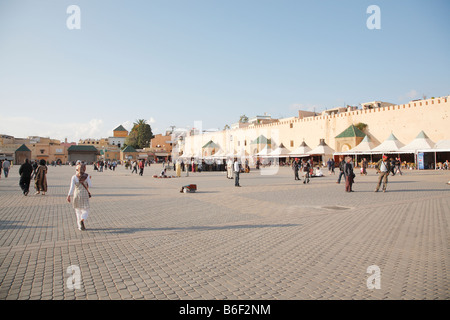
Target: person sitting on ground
<point x="319" y="172"/>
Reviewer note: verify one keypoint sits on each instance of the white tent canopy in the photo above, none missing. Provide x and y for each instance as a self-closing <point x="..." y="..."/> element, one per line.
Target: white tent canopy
<point x="364" y="146"/>
<point x="390" y="145"/>
<point x="231" y="154"/>
<point x="280" y="152"/>
<point x="264" y="152"/>
<point x="219" y="154"/>
<point x="440" y="146"/>
<point x="421" y="142"/>
<point x="321" y="149"/>
<point x="302" y="150"/>
<point x="242" y="153"/>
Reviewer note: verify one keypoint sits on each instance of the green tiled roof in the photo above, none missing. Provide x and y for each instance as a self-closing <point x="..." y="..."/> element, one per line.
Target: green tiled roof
<point x="210" y="144"/>
<point x="351" y="132"/>
<point x="129" y="149"/>
<point x="23" y="148"/>
<point x="82" y="148"/>
<point x="120" y="128"/>
<point x="261" y="140"/>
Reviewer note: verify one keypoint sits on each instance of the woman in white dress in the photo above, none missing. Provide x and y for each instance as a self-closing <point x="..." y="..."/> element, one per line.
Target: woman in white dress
<point x="79" y="188"/>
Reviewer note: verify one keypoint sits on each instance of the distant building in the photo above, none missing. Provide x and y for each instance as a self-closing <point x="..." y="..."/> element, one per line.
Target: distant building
<point x="349" y="138"/>
<point x="119" y="136"/>
<point x="87" y="153"/>
<point x="376" y="104"/>
<point x="21" y="154"/>
<point x="265" y="119"/>
<point x="129" y="153"/>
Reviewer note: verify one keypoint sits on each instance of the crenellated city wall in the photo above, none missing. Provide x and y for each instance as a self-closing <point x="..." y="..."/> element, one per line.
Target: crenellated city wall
<point x="404" y="121"/>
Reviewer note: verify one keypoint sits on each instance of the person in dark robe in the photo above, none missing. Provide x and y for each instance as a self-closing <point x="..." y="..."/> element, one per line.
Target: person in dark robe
<point x="40" y="178"/>
<point x="25" y="171"/>
<point x="349" y="175"/>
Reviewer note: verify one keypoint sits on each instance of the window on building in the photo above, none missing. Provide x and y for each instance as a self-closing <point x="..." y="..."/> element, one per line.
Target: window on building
<point x="292" y="143"/>
<point x="291" y="125"/>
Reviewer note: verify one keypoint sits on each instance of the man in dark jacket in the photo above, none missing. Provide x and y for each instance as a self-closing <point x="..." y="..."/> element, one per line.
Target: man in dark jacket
<point x="25" y="171"/>
<point x="341" y="169"/>
<point x="296" y="168"/>
<point x="348" y="174"/>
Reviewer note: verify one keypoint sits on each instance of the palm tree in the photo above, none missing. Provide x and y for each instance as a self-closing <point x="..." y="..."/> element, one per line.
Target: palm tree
<point x="138" y="123"/>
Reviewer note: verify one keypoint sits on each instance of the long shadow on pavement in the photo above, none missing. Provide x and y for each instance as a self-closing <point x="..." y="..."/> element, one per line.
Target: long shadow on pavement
<point x="196" y="228"/>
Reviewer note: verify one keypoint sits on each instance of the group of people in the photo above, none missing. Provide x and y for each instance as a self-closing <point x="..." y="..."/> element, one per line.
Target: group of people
<point x="307" y="169"/>
<point x="99" y="165"/>
<point x="36" y="171"/>
<point x="384" y="168"/>
<point x="135" y="165"/>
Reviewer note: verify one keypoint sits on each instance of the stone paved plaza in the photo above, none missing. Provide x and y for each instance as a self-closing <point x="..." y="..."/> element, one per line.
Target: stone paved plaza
<point x="273" y="238"/>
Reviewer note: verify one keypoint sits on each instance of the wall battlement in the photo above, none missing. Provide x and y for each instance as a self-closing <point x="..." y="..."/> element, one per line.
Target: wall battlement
<point x="405" y="121"/>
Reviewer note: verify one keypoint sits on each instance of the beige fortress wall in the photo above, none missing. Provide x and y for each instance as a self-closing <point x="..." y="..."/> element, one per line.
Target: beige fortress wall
<point x="404" y="121"/>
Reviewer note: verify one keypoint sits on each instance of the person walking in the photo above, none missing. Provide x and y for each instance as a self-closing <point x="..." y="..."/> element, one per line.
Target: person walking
<point x="383" y="168"/>
<point x="40" y="178"/>
<point x="392" y="163"/>
<point x="79" y="189"/>
<point x="237" y="170"/>
<point x="341" y="169"/>
<point x="330" y="165"/>
<point x="306" y="169"/>
<point x="186" y="166"/>
<point x="349" y="175"/>
<point x="134" y="165"/>
<point x="230" y="169"/>
<point x="25" y="171"/>
<point x="364" y="165"/>
<point x="178" y="168"/>
<point x="141" y="167"/>
<point x="6" y="165"/>
<point x="296" y="168"/>
<point x="398" y="165"/>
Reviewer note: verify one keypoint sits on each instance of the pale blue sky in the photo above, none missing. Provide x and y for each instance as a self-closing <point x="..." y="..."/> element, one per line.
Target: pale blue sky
<point x="174" y="62"/>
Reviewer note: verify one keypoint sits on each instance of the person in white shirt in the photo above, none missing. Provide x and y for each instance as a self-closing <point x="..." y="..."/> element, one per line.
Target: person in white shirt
<point x="230" y="169"/>
<point x="79" y="188"/>
<point x="6" y="165"/>
<point x="383" y="168"/>
<point x="237" y="170"/>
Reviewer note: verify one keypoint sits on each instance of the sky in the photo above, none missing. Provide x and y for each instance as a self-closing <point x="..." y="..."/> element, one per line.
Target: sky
<point x="184" y="62"/>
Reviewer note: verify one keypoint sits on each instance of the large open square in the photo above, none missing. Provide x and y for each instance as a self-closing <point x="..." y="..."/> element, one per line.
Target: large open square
<point x="273" y="238"/>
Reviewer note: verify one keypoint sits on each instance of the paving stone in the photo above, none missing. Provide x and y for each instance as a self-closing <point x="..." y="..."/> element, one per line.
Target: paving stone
<point x="270" y="239"/>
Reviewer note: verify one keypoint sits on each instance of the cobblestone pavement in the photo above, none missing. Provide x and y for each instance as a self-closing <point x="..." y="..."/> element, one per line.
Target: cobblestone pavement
<point x="273" y="238"/>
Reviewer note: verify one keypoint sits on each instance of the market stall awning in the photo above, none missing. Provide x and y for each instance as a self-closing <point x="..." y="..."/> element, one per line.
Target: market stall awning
<point x="280" y="152"/>
<point x="440" y="146"/>
<point x="421" y="142"/>
<point x="321" y="149"/>
<point x="364" y="147"/>
<point x="390" y="145"/>
<point x="301" y="151"/>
